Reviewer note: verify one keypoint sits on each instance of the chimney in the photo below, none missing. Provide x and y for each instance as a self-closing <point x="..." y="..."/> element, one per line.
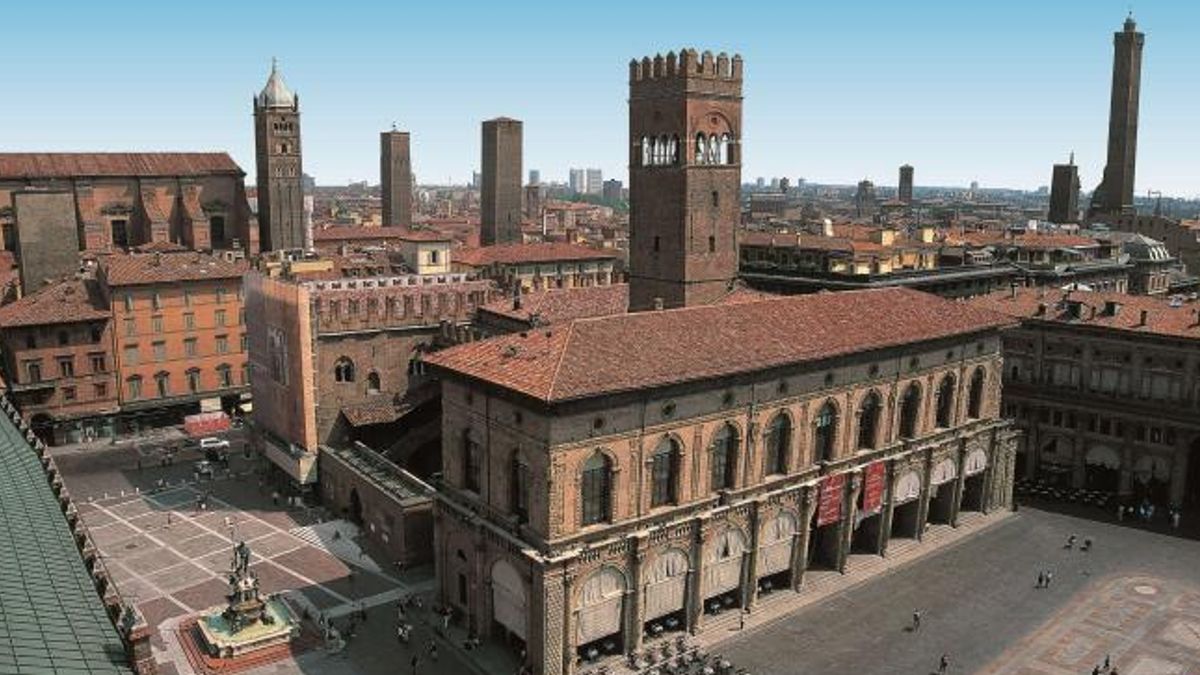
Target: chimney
<point x="1091" y="312"/>
<point x="157" y="258"/>
<point x="1145" y="317"/>
<point x="658" y="304"/>
<point x="1012" y="290"/>
<point x="1112" y="308"/>
<point x="1041" y="310"/>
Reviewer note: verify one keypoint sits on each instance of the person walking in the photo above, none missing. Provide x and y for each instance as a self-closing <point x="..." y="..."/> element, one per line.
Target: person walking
<point x="1041" y="580"/>
<point x="1049" y="578"/>
<point x="433" y="656"/>
<point x="943" y="664"/>
<point x="415" y="661"/>
<point x="916" y="620"/>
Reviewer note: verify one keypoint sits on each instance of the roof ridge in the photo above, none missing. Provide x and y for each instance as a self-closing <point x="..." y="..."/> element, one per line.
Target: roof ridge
<point x="562" y="353"/>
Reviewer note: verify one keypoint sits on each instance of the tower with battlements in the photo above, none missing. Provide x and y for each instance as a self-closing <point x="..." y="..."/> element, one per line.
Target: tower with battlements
<point x="685" y="129"/>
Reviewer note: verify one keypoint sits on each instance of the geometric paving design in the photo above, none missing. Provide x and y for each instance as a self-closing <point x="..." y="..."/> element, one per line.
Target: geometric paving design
<point x="1147" y="625"/>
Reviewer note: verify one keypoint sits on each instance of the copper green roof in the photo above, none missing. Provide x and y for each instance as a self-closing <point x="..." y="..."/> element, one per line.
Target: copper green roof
<point x="52" y="620"/>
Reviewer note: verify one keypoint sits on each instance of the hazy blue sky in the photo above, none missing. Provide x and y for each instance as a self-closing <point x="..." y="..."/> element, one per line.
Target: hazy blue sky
<point x="835" y="91"/>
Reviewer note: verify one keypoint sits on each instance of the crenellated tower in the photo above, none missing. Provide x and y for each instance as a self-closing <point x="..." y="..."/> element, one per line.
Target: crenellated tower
<point x="685" y="172"/>
<point x="277" y="154"/>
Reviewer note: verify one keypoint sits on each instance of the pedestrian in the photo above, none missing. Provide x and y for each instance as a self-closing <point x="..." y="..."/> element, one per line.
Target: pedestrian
<point x="275" y="497"/>
<point x="1120" y="513"/>
<point x="169" y="519"/>
<point x="916" y="620"/>
<point x="1070" y="541"/>
<point x="742" y="620"/>
<point x="1096" y="670"/>
<point x="415" y="661"/>
<point x="433" y="651"/>
<point x="445" y="621"/>
<point x="1087" y="544"/>
<point x="1175" y="519"/>
<point x="943" y="664"/>
<point x="1049" y="578"/>
<point x="1107" y="662"/>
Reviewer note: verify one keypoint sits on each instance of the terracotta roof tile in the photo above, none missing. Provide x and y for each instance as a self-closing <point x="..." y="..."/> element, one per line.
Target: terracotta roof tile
<point x="141" y="164"/>
<point x="68" y="301"/>
<point x="508" y="254"/>
<point x="1161" y="317"/>
<point x="592" y="357"/>
<point x="144" y="268"/>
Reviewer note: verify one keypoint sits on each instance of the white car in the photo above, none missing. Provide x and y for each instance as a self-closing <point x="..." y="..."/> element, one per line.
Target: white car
<point x="214" y="443"/>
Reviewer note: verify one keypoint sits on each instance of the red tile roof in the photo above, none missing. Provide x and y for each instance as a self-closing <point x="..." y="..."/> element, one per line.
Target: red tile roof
<point x="592" y="357"/>
<point x="68" y="301"/>
<point x="353" y="232"/>
<point x="1161" y="317"/>
<point x="508" y="254"/>
<point x="151" y="268"/>
<point x="19" y="165"/>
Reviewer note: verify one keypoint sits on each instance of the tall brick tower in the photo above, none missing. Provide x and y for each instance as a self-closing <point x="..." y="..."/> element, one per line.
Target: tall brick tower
<point x="905" y="192"/>
<point x="500" y="192"/>
<point x="1115" y="193"/>
<point x="277" y="154"/>
<point x="685" y="174"/>
<point x="395" y="173"/>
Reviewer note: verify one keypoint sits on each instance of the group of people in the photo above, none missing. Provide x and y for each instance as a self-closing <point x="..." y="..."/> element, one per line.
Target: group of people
<point x="1145" y="512"/>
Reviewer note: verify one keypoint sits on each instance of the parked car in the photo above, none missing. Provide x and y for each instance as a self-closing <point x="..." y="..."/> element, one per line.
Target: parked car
<point x="215" y="449"/>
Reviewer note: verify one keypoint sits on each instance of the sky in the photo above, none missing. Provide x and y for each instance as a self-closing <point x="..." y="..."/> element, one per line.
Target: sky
<point x="994" y="92"/>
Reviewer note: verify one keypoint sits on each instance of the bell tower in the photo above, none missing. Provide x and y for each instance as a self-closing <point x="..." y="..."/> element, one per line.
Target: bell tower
<point x="685" y="174"/>
<point x="277" y="153"/>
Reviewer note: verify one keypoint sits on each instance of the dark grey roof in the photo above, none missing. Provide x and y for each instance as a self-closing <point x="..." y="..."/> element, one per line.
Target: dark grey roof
<point x="52" y="620"/>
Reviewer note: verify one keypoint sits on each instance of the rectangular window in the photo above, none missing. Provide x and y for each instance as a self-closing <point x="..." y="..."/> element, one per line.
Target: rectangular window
<point x="156" y="324"/>
<point x="520" y="491"/>
<point x="135" y="387"/>
<point x="160" y="351"/>
<point x="100" y="390"/>
<point x="33" y="371"/>
<point x="189" y="347"/>
<point x="219" y="315"/>
<point x="244" y="342"/>
<point x="156" y="300"/>
<point x="242" y="316"/>
<point x="189" y="321"/>
<point x="128" y="302"/>
<point x="131" y="355"/>
<point x="187" y="298"/>
<point x="99" y="363"/>
<point x="130" y="327"/>
<point x="66" y="367"/>
<point x="222" y="344"/>
<point x="68" y="393"/>
<point x="220" y="295"/>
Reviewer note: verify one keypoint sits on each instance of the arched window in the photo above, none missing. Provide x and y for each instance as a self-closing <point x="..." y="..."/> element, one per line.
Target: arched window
<point x="945" y="402"/>
<point x="664" y="466"/>
<point x="910" y="411"/>
<point x="596" y="488"/>
<point x="777" y="440"/>
<point x="646" y="158"/>
<point x="868" y="421"/>
<point x="701" y="149"/>
<point x="675" y="149"/>
<point x="373" y="384"/>
<point x="825" y="433"/>
<point x="724" y="457"/>
<point x="343" y="370"/>
<point x="975" y="398"/>
<point x="470" y="461"/>
<point x="714" y="150"/>
<point x="726" y="150"/>
<point x="663" y="151"/>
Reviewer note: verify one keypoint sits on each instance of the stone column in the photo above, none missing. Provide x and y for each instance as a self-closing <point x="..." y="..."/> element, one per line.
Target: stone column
<point x="849" y="513"/>
<point x="886" y="509"/>
<point x="750" y="566"/>
<point x="634" y="602"/>
<point x="1126" y="480"/>
<point x="800" y="556"/>
<point x="1179" y="472"/>
<point x="959" y="482"/>
<point x="567" y="654"/>
<point x="696" y="575"/>
<point x="926" y="491"/>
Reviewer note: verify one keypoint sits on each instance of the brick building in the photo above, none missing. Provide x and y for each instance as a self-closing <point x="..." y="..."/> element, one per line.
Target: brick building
<point x="500" y="191"/>
<point x="178" y="333"/>
<point x="679" y="481"/>
<point x="685" y="124"/>
<point x="58" y="365"/>
<point x="122" y="200"/>
<point x="280" y="171"/>
<point x="331" y="355"/>
<point x="395" y="178"/>
<point x="1107" y="388"/>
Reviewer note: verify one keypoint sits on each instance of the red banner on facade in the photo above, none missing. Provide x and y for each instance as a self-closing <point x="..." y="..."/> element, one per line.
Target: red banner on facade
<point x="829" y="504"/>
<point x="874" y="477"/>
<point x="206" y="424"/>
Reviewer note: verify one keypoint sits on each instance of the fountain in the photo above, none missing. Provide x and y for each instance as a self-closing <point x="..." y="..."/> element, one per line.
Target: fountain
<point x="248" y="621"/>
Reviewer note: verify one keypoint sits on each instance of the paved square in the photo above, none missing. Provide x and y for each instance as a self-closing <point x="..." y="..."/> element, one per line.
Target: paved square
<point x="1135" y="598"/>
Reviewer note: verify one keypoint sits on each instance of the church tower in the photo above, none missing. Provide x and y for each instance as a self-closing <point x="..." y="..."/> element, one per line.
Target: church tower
<point x="277" y="154"/>
<point x="685" y="174"/>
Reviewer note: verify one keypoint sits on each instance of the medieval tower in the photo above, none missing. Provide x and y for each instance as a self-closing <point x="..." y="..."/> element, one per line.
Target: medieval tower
<point x="277" y="154"/>
<point x="685" y="123"/>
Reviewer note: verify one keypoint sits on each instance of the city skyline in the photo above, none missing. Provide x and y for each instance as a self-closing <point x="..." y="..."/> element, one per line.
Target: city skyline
<point x="1027" y="85"/>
